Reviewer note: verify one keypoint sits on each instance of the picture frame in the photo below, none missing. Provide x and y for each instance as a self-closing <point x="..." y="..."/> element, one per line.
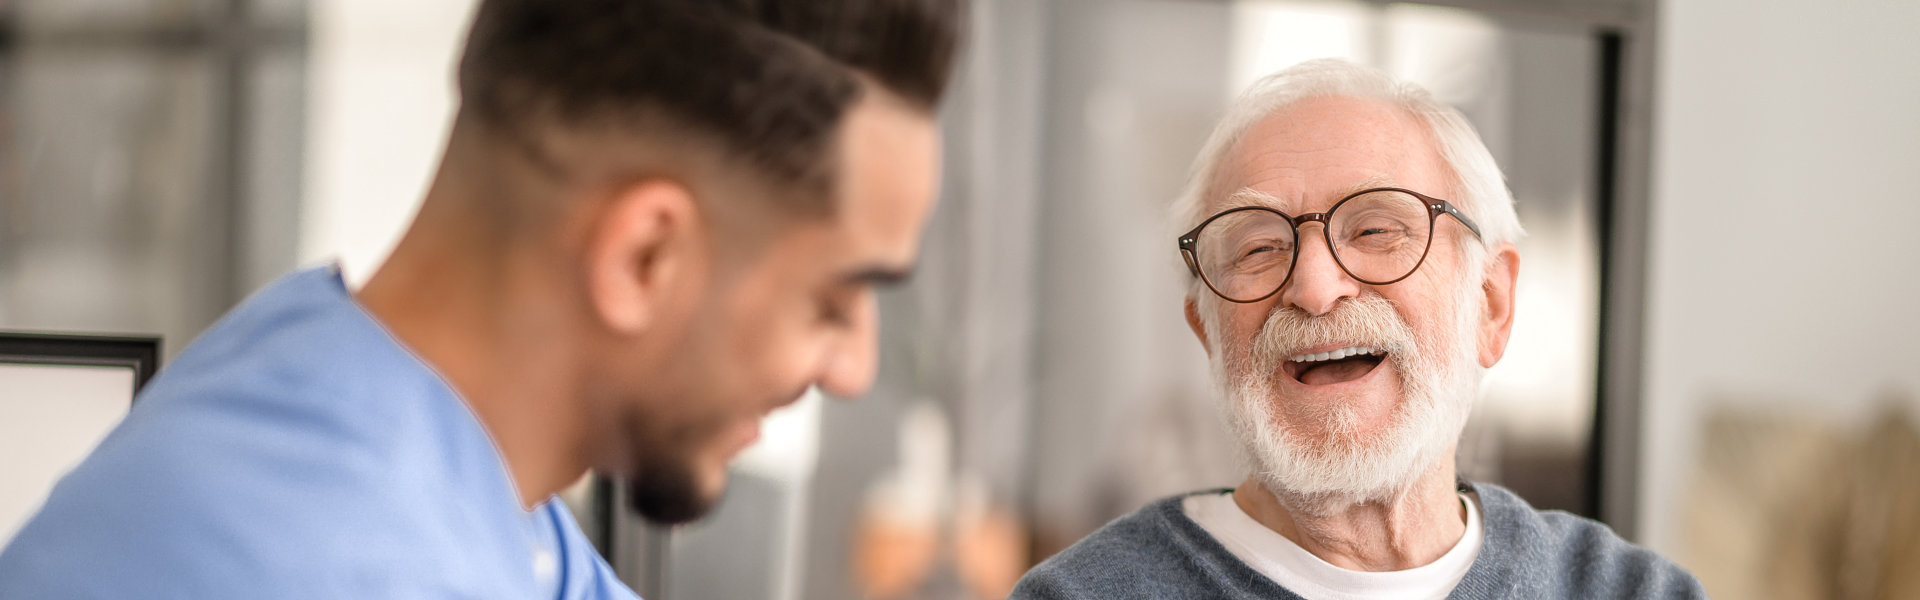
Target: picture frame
<point x="140" y="353"/>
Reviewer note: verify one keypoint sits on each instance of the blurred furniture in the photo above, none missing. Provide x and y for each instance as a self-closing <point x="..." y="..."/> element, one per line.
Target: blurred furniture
<point x="1786" y="506"/>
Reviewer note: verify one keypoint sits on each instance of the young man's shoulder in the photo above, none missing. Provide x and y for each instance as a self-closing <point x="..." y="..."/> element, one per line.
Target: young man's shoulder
<point x="287" y="452"/>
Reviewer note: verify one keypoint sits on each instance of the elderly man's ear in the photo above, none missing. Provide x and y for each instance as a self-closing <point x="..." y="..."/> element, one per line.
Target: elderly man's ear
<point x="1199" y="328"/>
<point x="1503" y="269"/>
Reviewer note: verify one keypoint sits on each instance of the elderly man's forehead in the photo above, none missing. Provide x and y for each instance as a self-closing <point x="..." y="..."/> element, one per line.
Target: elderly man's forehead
<point x="1325" y="147"/>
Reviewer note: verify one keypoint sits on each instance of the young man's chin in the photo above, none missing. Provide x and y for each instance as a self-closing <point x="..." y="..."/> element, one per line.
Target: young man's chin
<point x="680" y="483"/>
<point x="670" y="493"/>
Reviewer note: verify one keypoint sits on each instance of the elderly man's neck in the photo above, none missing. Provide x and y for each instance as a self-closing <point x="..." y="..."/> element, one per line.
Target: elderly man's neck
<point x="1412" y="529"/>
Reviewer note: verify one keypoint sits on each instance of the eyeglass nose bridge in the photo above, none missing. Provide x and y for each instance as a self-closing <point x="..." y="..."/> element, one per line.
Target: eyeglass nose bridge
<point x="1318" y="217"/>
<point x="1299" y="242"/>
<point x="1293" y="266"/>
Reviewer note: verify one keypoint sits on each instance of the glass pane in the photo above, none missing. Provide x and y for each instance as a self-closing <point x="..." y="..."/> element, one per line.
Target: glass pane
<point x="1246" y="254"/>
<point x="107" y="222"/>
<point x="1532" y="93"/>
<point x="271" y="161"/>
<point x="1381" y="236"/>
<point x="279" y="12"/>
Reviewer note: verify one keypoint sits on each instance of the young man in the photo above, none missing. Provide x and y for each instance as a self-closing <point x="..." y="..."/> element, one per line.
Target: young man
<point x="655" y="222"/>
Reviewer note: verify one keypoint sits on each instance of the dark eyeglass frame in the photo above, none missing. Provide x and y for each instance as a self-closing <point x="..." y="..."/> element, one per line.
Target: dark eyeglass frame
<point x="1435" y="208"/>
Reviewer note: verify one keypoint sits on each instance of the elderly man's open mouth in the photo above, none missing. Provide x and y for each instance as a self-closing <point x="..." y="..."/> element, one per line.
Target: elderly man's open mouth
<point x="1339" y="364"/>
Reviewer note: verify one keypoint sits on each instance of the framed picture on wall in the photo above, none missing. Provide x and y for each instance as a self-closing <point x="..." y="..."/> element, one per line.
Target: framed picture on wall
<point x="59" y="395"/>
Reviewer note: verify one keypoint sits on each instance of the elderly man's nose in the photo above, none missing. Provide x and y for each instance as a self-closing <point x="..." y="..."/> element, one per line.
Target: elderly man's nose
<point x="1317" y="283"/>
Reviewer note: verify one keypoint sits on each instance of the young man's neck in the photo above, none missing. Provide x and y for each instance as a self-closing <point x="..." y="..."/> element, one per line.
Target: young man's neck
<point x="1412" y="529"/>
<point x="497" y="343"/>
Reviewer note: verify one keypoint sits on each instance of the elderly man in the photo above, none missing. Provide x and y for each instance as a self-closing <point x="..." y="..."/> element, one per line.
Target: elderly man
<point x="1352" y="247"/>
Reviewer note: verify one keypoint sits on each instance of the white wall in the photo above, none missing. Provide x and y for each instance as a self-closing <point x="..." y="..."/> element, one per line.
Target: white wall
<point x="1784" y="265"/>
<point x="380" y="100"/>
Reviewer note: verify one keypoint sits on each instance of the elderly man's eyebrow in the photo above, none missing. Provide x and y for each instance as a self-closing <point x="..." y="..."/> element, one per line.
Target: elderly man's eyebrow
<point x="1376" y="181"/>
<point x="1247" y="196"/>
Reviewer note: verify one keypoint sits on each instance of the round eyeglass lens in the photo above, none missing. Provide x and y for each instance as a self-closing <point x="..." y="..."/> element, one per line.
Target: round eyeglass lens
<point x="1380" y="236"/>
<point x="1245" y="254"/>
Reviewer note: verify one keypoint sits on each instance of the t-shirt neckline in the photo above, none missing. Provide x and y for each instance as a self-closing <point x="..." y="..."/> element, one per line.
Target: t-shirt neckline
<point x="1293" y="567"/>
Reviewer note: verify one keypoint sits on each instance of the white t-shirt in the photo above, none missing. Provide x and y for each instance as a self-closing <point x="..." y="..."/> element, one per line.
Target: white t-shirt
<point x="1298" y="570"/>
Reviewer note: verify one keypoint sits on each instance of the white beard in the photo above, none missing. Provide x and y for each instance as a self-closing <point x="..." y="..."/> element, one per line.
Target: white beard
<point x="1343" y="466"/>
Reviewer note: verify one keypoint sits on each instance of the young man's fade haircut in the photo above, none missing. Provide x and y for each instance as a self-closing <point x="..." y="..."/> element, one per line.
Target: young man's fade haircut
<point x="757" y="83"/>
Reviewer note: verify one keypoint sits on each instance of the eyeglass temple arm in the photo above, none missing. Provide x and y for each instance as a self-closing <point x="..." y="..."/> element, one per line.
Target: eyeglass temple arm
<point x="1447" y="207"/>
<point x="1186" y="251"/>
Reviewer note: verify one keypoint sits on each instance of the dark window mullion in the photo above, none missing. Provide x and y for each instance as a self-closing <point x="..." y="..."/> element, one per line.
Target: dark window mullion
<point x="231" y="56"/>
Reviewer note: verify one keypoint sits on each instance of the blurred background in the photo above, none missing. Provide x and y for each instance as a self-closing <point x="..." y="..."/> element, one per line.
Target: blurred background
<point x="1712" y="351"/>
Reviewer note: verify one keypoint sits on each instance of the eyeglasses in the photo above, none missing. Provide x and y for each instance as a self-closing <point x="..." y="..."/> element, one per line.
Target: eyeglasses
<point x="1379" y="236"/>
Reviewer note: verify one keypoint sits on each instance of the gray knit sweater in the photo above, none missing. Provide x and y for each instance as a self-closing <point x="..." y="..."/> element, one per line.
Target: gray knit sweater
<point x="1158" y="552"/>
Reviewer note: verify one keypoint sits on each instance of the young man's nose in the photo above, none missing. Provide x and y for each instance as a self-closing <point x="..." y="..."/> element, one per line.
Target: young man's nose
<point x="848" y="369"/>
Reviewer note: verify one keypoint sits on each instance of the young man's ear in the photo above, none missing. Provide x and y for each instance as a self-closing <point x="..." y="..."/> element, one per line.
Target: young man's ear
<point x="1503" y="272"/>
<point x="642" y="243"/>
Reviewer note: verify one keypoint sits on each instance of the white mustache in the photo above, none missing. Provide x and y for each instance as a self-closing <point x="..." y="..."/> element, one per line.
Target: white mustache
<point x="1365" y="320"/>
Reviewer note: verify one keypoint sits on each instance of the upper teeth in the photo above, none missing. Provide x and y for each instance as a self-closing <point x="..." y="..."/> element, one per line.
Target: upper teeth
<point x="1335" y="354"/>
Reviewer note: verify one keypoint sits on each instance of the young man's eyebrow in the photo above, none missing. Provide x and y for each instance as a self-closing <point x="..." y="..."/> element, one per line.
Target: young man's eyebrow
<point x="880" y="275"/>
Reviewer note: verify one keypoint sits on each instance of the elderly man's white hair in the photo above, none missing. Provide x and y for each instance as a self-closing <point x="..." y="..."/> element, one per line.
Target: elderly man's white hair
<point x="1477" y="186"/>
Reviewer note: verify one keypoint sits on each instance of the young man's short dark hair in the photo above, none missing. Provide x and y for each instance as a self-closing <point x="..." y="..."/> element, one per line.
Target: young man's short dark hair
<point x="765" y="81"/>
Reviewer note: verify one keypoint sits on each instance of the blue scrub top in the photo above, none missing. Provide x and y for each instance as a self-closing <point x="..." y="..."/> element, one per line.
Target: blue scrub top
<point x="297" y="450"/>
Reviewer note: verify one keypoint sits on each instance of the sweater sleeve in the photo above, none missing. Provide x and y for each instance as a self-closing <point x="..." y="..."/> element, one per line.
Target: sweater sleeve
<point x="1552" y="554"/>
<point x="1599" y="564"/>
